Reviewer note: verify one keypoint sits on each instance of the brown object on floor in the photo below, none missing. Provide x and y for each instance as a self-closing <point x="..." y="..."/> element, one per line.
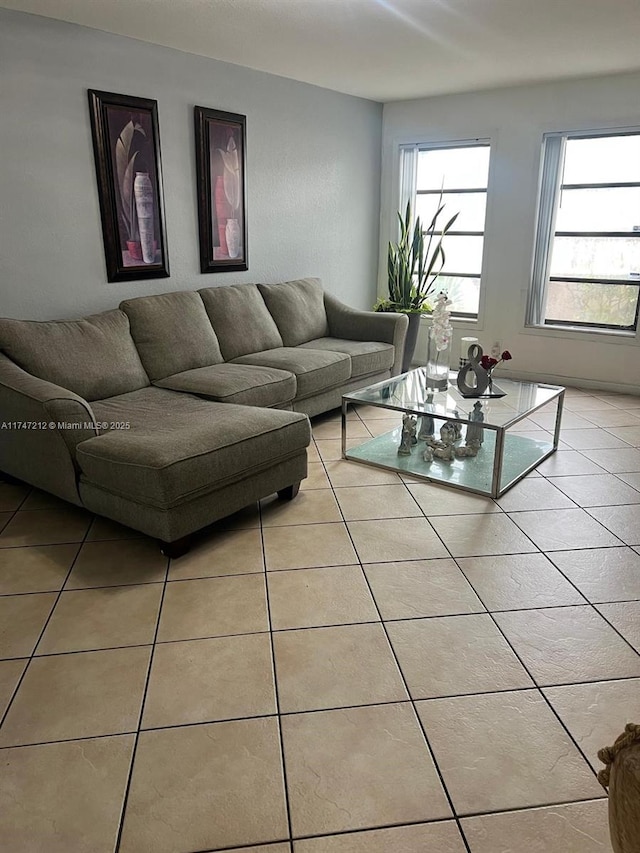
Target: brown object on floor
<point x="621" y="776"/>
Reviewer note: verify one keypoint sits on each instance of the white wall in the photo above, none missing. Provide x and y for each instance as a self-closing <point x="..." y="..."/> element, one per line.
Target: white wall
<point x="515" y="120"/>
<point x="313" y="166"/>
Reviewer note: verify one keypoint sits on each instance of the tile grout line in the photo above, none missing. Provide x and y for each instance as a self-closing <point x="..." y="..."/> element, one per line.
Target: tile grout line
<point x="611" y="625"/>
<point x="44" y="628"/>
<point x="409" y="700"/>
<point x="22" y="502"/>
<point x="593" y="605"/>
<point x="241" y="848"/>
<point x="285" y="782"/>
<point x="440" y="820"/>
<point x="13" y="512"/>
<point x="405" y="685"/>
<point x="435" y="821"/>
<point x="309" y="568"/>
<point x="618" y="544"/>
<point x="537" y="685"/>
<point x="125" y="797"/>
<point x="500" y="512"/>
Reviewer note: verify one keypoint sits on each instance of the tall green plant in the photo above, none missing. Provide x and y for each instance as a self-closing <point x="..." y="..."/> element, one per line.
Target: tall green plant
<point x="414" y="262"/>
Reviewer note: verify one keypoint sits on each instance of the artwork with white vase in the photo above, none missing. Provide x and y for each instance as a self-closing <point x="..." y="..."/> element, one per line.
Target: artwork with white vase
<point x="222" y="194"/>
<point x="128" y="169"/>
<point x="143" y="192"/>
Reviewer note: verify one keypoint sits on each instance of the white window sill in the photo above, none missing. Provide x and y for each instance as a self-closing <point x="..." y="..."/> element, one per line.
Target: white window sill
<point x="573" y="332"/>
<point x="468" y="322"/>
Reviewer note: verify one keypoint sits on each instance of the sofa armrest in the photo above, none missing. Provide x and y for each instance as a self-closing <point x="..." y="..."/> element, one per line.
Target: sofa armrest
<point x="388" y="328"/>
<point x="41" y="425"/>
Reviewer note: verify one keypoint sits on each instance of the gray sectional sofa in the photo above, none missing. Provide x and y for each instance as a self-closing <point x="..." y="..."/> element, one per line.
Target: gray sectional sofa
<point x="178" y="409"/>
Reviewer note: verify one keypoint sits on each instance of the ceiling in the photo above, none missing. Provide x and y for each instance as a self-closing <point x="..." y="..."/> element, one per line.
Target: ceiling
<point x="381" y="49"/>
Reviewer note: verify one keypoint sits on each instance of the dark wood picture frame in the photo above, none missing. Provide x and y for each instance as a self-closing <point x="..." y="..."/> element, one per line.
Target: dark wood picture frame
<point x="221" y="169"/>
<point x="126" y="147"/>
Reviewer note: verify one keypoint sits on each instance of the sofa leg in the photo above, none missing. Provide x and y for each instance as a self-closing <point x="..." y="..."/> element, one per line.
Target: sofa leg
<point x="176" y="549"/>
<point x="290" y="492"/>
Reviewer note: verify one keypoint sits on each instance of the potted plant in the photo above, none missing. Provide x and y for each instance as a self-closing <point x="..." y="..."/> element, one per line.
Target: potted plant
<point x="414" y="264"/>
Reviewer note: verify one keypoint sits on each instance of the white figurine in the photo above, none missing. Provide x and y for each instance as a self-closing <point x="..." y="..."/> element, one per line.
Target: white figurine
<point x="409" y="428"/>
<point x="475" y="432"/>
<point x="448" y="433"/>
<point x="446" y="453"/>
<point x="427" y="427"/>
<point x="457" y="426"/>
<point x="455" y="429"/>
<point x="467" y="450"/>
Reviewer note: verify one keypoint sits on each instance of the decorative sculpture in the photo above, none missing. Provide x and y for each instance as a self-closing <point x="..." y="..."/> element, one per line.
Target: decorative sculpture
<point x="448" y="433"/>
<point x="446" y="453"/>
<point x="457" y="426"/>
<point x="621" y="776"/>
<point x="441" y="449"/>
<point x="409" y="428"/>
<point x="427" y="426"/>
<point x="475" y="368"/>
<point x="475" y="431"/>
<point x="427" y="454"/>
<point x="467" y="450"/>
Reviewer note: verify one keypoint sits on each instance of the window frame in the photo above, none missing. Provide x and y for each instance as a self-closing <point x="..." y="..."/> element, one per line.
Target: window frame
<point x="550" y="189"/>
<point x="409" y="154"/>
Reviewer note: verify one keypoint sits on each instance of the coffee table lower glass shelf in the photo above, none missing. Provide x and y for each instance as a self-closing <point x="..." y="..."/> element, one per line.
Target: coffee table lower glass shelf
<point x="510" y="448"/>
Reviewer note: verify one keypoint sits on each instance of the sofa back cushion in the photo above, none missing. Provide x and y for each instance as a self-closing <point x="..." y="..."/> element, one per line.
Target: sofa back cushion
<point x="94" y="357"/>
<point x="240" y="320"/>
<point x="298" y="309"/>
<point x="172" y="333"/>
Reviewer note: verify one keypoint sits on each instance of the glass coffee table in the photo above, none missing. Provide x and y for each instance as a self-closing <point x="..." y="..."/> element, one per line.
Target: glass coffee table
<point x="509" y="448"/>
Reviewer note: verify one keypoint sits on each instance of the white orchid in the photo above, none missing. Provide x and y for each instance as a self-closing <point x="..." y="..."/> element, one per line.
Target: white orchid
<point x="441" y="328"/>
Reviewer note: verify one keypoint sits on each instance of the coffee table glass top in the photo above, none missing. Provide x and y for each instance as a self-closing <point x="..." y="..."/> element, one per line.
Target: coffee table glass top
<point x="409" y="393"/>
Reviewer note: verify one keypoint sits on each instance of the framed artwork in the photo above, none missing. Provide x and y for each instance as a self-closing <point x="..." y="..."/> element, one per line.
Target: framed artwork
<point x="126" y="146"/>
<point x="222" y="190"/>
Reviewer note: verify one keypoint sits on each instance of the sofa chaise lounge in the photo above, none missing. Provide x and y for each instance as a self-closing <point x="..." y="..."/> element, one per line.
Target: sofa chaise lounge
<point x="176" y="410"/>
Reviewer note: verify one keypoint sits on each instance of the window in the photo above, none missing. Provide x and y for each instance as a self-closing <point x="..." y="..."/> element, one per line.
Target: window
<point x="460" y="171"/>
<point x="586" y="270"/>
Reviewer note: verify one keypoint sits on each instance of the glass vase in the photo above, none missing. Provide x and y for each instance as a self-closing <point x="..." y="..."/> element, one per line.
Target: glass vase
<point x="438" y="363"/>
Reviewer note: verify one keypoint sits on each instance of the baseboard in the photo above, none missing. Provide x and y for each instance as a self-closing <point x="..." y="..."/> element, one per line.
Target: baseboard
<point x="571" y="381"/>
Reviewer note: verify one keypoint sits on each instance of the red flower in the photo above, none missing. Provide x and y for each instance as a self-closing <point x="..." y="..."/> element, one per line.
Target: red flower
<point x="488" y="362"/>
<point x="506" y="355"/>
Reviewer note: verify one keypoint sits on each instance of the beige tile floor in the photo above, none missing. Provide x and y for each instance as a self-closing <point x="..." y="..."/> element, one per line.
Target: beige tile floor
<point x="380" y="665"/>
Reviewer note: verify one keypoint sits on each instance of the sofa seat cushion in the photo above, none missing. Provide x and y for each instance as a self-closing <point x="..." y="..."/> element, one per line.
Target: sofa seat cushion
<point x="298" y="309"/>
<point x="315" y="370"/>
<point x="240" y="319"/>
<point x="244" y="384"/>
<point x="367" y="357"/>
<point x="172" y="332"/>
<point x="179" y="447"/>
<point x="94" y="357"/>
